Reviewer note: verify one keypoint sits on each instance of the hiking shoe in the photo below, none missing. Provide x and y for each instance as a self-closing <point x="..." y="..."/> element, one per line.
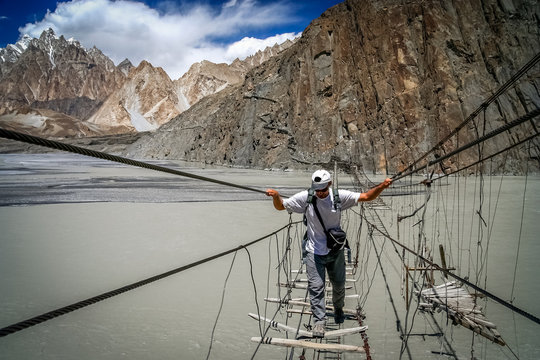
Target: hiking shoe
<point x="339" y="316"/>
<point x="318" y="331"/>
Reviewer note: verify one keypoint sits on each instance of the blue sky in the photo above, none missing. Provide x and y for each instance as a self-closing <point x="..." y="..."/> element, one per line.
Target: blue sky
<point x="170" y="34"/>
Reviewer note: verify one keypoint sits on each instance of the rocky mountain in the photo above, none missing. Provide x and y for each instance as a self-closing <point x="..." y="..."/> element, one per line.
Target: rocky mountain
<point x="54" y="69"/>
<point x="55" y="87"/>
<point x="52" y="78"/>
<point x="373" y="82"/>
<point x="146" y="100"/>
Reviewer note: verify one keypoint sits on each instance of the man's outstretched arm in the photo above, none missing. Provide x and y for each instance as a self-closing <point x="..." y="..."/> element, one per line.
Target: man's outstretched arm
<point x="276" y="198"/>
<point x="372" y="193"/>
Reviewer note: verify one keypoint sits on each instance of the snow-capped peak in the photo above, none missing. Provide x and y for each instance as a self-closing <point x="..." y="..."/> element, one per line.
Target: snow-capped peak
<point x="12" y="51"/>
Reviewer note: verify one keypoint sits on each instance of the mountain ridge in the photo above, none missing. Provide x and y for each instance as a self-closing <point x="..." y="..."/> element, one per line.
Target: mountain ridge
<point x="87" y="91"/>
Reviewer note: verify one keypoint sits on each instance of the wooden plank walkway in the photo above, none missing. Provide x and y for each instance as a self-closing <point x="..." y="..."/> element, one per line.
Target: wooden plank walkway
<point x="308" y="344"/>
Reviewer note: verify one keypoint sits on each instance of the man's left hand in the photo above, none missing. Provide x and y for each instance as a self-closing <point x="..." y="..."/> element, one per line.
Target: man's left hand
<point x="386" y="183"/>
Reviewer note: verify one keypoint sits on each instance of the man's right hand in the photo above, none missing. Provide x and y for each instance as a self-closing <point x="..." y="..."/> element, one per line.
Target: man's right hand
<point x="278" y="203"/>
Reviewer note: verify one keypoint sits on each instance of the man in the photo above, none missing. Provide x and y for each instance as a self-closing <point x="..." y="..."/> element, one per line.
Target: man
<point x="317" y="256"/>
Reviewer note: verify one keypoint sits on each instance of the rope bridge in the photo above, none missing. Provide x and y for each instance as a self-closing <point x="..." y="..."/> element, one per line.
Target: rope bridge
<point x="8" y="134"/>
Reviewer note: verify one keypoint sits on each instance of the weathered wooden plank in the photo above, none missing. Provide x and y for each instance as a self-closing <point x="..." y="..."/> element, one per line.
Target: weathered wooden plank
<point x="297" y="311"/>
<point x="327" y="281"/>
<point x="346" y="331"/>
<point x="481" y="320"/>
<point x="306" y="304"/>
<point x="304" y="286"/>
<point x="351" y="313"/>
<point x="495" y="338"/>
<point x="277" y="325"/>
<point x="308" y="345"/>
<point x="348" y="271"/>
<point x="304" y="333"/>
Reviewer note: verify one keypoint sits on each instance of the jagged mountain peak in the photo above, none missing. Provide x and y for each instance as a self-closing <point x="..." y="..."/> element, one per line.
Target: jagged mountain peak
<point x="125" y="66"/>
<point x="12" y="52"/>
<point x="145" y="65"/>
<point x="52" y="73"/>
<point x="48" y="36"/>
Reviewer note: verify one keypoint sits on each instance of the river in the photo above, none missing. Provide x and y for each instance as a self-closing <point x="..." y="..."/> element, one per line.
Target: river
<point x="75" y="227"/>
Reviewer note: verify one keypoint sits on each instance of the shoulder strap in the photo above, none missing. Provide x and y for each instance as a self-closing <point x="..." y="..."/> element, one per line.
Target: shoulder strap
<point x="337" y="200"/>
<point x="311" y="192"/>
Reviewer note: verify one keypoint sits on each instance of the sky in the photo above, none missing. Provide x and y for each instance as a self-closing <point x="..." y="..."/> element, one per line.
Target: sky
<point x="172" y="34"/>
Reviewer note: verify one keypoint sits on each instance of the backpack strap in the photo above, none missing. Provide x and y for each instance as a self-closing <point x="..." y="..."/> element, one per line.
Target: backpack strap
<point x="311" y="193"/>
<point x="337" y="200"/>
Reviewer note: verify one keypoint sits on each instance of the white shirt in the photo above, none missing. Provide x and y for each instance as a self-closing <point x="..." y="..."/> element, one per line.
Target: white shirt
<point x="316" y="236"/>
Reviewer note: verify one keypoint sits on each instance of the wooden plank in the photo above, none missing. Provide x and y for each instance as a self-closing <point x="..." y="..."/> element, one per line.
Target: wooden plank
<point x="285" y="301"/>
<point x="302" y="271"/>
<point x="495" y="338"/>
<point x="277" y="325"/>
<point x="293" y="285"/>
<point x="304" y="333"/>
<point x="296" y="311"/>
<point x="280" y="301"/>
<point x="351" y="314"/>
<point x="306" y="304"/>
<point x="304" y="286"/>
<point x="327" y="281"/>
<point x="346" y="331"/>
<point x="481" y="321"/>
<point x="308" y="345"/>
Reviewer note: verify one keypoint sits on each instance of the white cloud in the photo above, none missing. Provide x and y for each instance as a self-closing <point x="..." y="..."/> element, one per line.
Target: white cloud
<point x="173" y="37"/>
<point x="249" y="45"/>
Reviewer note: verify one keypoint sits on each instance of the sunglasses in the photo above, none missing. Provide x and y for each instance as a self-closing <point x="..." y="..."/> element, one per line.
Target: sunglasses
<point x="322" y="190"/>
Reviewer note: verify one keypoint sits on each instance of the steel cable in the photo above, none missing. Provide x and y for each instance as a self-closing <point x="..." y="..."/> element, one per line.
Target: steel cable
<point x="463" y="280"/>
<point x="482" y="107"/>
<point x="508" y="126"/>
<point x="78" y="305"/>
<point x="52" y="144"/>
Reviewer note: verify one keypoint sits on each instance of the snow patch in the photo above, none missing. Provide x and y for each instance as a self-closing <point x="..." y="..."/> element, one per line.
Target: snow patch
<point x="51" y="57"/>
<point x="139" y="122"/>
<point x="183" y="102"/>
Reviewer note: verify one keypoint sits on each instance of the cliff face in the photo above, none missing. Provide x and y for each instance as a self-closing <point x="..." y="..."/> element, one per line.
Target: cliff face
<point x="377" y="83"/>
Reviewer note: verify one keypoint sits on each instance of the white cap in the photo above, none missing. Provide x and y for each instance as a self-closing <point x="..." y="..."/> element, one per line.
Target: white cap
<point x="320" y="179"/>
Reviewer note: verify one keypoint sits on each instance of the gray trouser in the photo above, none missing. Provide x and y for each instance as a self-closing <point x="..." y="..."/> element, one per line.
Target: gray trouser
<point x="316" y="265"/>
